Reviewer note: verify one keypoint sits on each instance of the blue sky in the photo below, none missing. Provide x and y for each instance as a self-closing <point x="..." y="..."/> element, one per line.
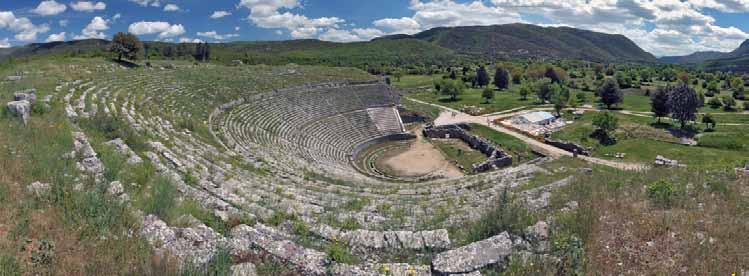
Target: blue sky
<point x="662" y="27"/>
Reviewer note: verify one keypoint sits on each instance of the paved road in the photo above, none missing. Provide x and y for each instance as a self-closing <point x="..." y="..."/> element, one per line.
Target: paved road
<point x="452" y="116"/>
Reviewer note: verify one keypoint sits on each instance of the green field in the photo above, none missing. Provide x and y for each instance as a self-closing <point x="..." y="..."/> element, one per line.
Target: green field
<point x="642" y="141"/>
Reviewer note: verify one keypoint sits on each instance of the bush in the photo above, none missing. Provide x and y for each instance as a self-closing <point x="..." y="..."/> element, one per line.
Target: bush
<point x="661" y="193"/>
<point x="339" y="254"/>
<point x="506" y="216"/>
<point x="162" y="198"/>
<point x="715" y="102"/>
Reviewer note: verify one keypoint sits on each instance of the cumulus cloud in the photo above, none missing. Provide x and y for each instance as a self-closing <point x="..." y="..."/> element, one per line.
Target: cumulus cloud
<point x="94" y="29"/>
<point x="216" y="36"/>
<point x="56" y="37"/>
<point x="49" y="7"/>
<point x="4" y="43"/>
<point x="63" y="23"/>
<point x="146" y="3"/>
<point x="220" y="14"/>
<point x="23" y="27"/>
<point x="171" y="7"/>
<point x="163" y="29"/>
<point x="356" y="34"/>
<point x="88" y="6"/>
<point x="189" y="40"/>
<point x="268" y="14"/>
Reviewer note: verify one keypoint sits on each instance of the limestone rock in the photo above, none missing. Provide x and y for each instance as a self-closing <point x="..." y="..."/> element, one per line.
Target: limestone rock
<point x="25" y="95"/>
<point x="21" y="109"/>
<point x="474" y="256"/>
<point x="244" y="269"/>
<point x="39" y="189"/>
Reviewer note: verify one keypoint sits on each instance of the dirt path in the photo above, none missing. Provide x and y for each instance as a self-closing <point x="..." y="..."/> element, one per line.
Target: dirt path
<point x="452" y="116"/>
<point x="421" y="158"/>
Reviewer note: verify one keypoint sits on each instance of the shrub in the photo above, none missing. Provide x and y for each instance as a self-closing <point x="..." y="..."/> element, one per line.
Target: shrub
<point x="715" y="102"/>
<point x="162" y="198"/>
<point x="661" y="193"/>
<point x="506" y="216"/>
<point x="339" y="254"/>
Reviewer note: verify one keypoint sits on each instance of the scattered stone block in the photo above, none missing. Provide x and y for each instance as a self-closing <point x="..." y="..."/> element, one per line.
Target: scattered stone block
<point x="39" y="189"/>
<point x="474" y="256"/>
<point x="243" y="269"/>
<point x="21" y="109"/>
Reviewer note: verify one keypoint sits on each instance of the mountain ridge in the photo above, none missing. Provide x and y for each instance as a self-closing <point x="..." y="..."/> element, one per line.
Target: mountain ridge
<point x="441" y="45"/>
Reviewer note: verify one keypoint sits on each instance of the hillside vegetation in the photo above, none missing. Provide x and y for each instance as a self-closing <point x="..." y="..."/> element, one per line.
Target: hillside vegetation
<point x="530" y="41"/>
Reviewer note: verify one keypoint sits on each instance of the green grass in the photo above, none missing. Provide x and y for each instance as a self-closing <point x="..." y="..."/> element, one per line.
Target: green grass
<point x="519" y="150"/>
<point x="503" y="100"/>
<point x="642" y="142"/>
<point x="461" y="154"/>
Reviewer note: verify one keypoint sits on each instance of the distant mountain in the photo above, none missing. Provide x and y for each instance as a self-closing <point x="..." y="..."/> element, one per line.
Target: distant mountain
<point x="436" y="46"/>
<point x="709" y="56"/>
<point x="736" y="61"/>
<point x="694" y="58"/>
<point x="531" y="41"/>
<point x="77" y="47"/>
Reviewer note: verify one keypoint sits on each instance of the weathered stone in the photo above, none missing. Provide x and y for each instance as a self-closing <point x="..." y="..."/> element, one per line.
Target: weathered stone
<point x="25" y="95"/>
<point x="13" y="78"/>
<point x="39" y="189"/>
<point x="243" y="269"/>
<point x="196" y="245"/>
<point x="21" y="109"/>
<point x="436" y="239"/>
<point x="308" y="261"/>
<point x="474" y="256"/>
<point x="409" y="240"/>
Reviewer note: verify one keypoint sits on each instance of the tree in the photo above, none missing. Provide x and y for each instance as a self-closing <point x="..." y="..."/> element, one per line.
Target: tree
<point x="524" y="92"/>
<point x="488" y="94"/>
<point x="502" y="78"/>
<point x="543" y="90"/>
<point x="683" y="103"/>
<point x="715" y="102"/>
<point x="623" y="80"/>
<point x="712" y="89"/>
<point x="610" y="93"/>
<point x="737" y="85"/>
<point x="452" y="75"/>
<point x="605" y="122"/>
<point x="728" y="103"/>
<point x="560" y="96"/>
<point x="708" y="120"/>
<point x="659" y="103"/>
<point x="452" y="88"/>
<point x="125" y="45"/>
<point x="557" y="75"/>
<point x="482" y="77"/>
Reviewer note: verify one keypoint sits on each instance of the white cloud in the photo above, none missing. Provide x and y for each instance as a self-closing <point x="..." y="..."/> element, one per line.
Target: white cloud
<point x="163" y="29"/>
<point x="405" y="25"/>
<point x="49" y="7"/>
<point x="236" y="28"/>
<point x="116" y="17"/>
<point x="94" y="29"/>
<point x="4" y="43"/>
<point x="214" y="35"/>
<point x="146" y="3"/>
<point x="63" y="23"/>
<point x="189" y="40"/>
<point x="23" y="27"/>
<point x="56" y="37"/>
<point x="171" y="7"/>
<point x="88" y="6"/>
<point x="267" y="14"/>
<point x="220" y="14"/>
<point x="356" y="34"/>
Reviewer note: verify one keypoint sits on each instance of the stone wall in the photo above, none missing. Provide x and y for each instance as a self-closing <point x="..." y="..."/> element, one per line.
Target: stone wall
<point x="568" y="146"/>
<point x="497" y="157"/>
